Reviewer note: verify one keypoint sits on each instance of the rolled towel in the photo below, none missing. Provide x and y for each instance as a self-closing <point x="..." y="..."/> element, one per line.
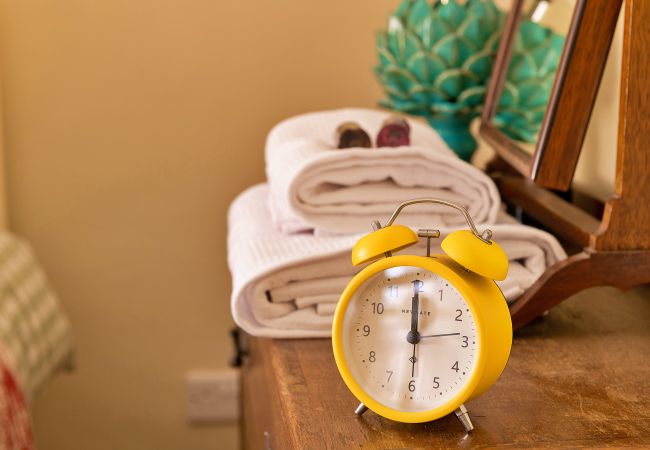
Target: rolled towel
<point x="288" y="285"/>
<point x="315" y="186"/>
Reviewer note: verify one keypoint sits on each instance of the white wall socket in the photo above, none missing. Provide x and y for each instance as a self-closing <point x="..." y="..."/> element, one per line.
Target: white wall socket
<point x="213" y="395"/>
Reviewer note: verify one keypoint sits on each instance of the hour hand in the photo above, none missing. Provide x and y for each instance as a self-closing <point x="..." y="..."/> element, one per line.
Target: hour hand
<point x="413" y="337"/>
<point x="415" y="310"/>
<point x="415" y="305"/>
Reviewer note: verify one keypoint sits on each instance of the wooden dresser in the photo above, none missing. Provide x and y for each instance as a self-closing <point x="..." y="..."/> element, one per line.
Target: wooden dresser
<point x="579" y="377"/>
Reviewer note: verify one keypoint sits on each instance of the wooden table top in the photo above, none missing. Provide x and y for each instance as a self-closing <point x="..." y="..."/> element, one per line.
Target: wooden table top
<point x="578" y="377"/>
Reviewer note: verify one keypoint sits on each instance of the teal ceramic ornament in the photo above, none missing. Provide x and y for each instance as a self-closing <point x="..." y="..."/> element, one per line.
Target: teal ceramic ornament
<point x="531" y="74"/>
<point x="435" y="59"/>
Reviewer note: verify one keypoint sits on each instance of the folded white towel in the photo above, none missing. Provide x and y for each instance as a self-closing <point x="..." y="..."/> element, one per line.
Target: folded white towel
<point x="315" y="186"/>
<point x="288" y="285"/>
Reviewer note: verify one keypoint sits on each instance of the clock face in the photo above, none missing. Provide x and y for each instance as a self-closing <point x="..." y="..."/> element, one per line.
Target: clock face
<point x="409" y="339"/>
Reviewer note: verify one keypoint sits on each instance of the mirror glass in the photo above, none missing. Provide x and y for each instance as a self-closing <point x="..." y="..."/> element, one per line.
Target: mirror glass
<point x="534" y="60"/>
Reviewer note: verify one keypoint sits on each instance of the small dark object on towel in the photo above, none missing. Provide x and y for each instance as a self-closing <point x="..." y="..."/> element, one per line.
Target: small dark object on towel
<point x="350" y="134"/>
<point x="394" y="132"/>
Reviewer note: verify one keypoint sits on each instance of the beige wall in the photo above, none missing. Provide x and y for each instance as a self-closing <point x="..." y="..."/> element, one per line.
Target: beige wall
<point x="129" y="127"/>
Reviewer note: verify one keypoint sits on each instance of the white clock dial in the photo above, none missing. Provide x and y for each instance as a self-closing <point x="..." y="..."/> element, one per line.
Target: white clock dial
<point x="417" y="372"/>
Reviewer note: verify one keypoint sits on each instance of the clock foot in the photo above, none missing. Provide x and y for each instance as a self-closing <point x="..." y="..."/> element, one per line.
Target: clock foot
<point x="463" y="416"/>
<point x="360" y="409"/>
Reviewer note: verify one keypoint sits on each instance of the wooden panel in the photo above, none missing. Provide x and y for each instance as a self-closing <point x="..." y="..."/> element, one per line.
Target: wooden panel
<point x="574" y="94"/>
<point x="577" y="378"/>
<point x="566" y="220"/>
<point x="626" y="224"/>
<point x="506" y="149"/>
<point x="254" y="401"/>
<point x="263" y="419"/>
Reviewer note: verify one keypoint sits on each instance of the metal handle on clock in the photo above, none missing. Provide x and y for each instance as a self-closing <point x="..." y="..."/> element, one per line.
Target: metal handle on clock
<point x="485" y="236"/>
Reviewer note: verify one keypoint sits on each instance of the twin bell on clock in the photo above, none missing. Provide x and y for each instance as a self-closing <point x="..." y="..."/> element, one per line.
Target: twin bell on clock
<point x="414" y="336"/>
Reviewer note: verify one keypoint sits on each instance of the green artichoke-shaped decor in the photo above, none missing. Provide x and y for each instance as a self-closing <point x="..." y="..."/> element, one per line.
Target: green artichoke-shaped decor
<point x="531" y="73"/>
<point x="435" y="60"/>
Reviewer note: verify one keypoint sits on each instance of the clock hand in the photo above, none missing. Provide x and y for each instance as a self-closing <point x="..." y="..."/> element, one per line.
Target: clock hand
<point x="415" y="309"/>
<point x="439" y="335"/>
<point x="413" y="337"/>
<point x="413" y="359"/>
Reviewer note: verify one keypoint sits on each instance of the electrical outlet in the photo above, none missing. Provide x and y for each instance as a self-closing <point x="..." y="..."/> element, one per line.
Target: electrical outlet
<point x="213" y="396"/>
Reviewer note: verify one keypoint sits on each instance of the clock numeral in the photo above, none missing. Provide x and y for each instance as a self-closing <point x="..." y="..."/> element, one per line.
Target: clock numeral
<point x="458" y="317"/>
<point x="436" y="383"/>
<point x="393" y="291"/>
<point x="440" y="291"/>
<point x="366" y="330"/>
<point x="465" y="343"/>
<point x="371" y="357"/>
<point x="378" y="308"/>
<point x="455" y="366"/>
<point x="417" y="285"/>
<point x="390" y="375"/>
<point x="412" y="386"/>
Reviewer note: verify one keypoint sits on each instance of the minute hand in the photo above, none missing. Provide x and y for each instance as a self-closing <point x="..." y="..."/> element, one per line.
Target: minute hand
<point x="439" y="335"/>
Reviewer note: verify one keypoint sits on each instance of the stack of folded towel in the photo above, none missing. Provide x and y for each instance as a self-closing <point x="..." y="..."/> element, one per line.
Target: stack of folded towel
<point x="289" y="240"/>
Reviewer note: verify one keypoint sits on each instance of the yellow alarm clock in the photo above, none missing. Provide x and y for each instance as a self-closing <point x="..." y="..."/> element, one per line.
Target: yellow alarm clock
<point x="415" y="337"/>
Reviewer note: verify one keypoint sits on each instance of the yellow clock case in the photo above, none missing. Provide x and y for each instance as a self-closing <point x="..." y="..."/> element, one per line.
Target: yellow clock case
<point x="488" y="307"/>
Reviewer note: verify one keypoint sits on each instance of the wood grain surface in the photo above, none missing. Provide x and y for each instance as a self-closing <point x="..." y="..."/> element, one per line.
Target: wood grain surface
<point x="579" y="377"/>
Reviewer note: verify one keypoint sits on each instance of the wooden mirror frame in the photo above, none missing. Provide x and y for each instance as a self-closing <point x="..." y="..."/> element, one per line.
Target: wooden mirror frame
<point x="580" y="70"/>
<point x="615" y="247"/>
